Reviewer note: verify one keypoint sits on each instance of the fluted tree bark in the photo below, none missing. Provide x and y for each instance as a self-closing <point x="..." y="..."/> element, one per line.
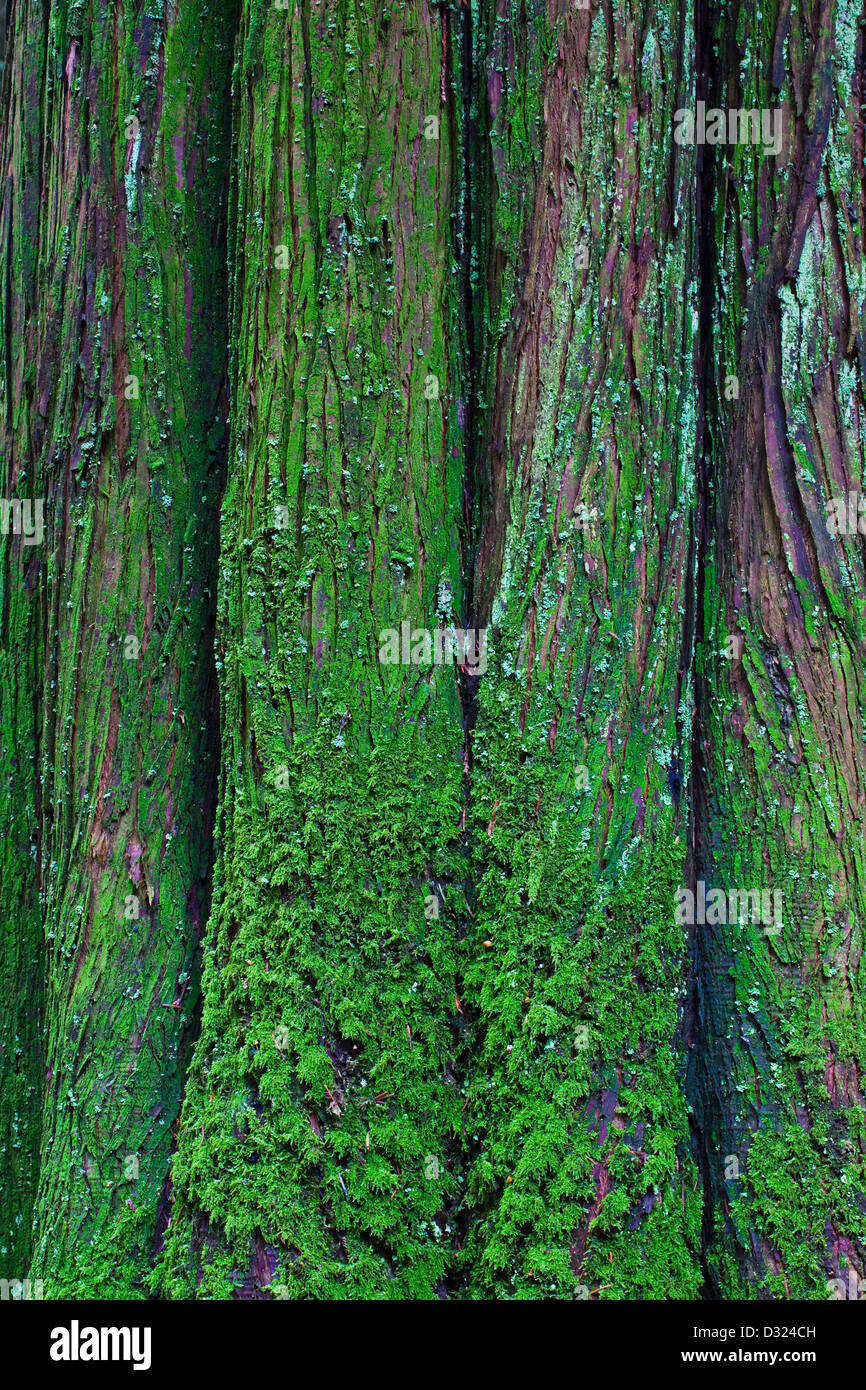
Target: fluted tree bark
<point x="500" y="353"/>
<point x="581" y="1166"/>
<point x="779" y="756"/>
<point x="317" y="1150"/>
<point x="113" y="415"/>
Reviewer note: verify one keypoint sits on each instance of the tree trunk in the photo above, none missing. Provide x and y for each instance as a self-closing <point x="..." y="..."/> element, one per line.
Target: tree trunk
<point x="113" y="416"/>
<point x="319" y="1128"/>
<point x="580" y="1160"/>
<point x="513" y="613"/>
<point x="779" y="755"/>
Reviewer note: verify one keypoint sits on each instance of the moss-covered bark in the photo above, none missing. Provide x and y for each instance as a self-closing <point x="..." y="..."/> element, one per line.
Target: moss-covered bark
<point x="780" y="750"/>
<point x="22" y="955"/>
<point x="113" y="412"/>
<point x="337" y="818"/>
<point x="22" y="962"/>
<point x="581" y="1167"/>
<point x="318" y="1130"/>
<point x="502" y="355"/>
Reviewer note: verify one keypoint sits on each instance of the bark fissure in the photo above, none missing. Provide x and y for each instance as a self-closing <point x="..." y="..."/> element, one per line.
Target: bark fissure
<point x="696" y="1013"/>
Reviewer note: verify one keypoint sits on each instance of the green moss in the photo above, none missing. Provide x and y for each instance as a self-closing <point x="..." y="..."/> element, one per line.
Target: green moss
<point x="125" y="277"/>
<point x="320" y="1131"/>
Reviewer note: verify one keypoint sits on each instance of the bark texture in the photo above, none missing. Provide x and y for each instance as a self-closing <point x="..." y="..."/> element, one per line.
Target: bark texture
<point x="315" y="1152"/>
<point x="327" y="326"/>
<point x="113" y="412"/>
<point x="780" y="750"/>
<point x="581" y="1167"/>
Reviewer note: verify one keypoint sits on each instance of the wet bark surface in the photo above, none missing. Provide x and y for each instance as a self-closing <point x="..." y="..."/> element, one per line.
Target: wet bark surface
<point x="581" y="1164"/>
<point x="317" y="1144"/>
<point x="470" y="340"/>
<point x="778" y="1035"/>
<point x="113" y="414"/>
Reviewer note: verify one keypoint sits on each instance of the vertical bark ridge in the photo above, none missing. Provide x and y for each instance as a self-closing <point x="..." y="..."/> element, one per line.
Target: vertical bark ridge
<point x="777" y="1072"/>
<point x="582" y="1174"/>
<point x="113" y="414"/>
<point x="319" y="1151"/>
<point x="22" y="949"/>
